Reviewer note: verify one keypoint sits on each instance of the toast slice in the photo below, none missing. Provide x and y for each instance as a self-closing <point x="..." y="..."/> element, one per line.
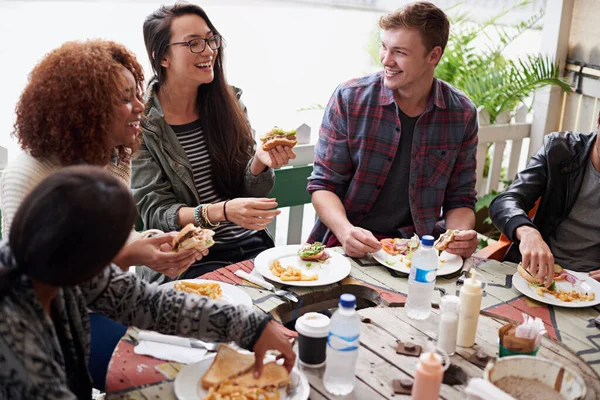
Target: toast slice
<point x="228" y="364"/>
<point x="273" y="375"/>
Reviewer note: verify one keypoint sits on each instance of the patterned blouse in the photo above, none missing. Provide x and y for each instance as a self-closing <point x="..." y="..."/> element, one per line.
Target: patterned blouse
<point x="41" y="357"/>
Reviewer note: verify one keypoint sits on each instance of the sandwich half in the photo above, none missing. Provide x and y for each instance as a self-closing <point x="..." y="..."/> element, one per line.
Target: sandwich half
<point x="228" y="364"/>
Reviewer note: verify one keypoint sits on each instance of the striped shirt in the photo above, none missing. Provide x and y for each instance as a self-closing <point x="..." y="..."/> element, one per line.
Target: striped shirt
<point x="193" y="142"/>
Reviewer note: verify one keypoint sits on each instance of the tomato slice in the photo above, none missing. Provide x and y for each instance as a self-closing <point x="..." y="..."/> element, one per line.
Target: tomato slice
<point x="389" y="246"/>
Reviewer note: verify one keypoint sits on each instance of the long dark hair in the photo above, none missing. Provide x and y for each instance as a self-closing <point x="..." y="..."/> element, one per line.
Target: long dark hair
<point x="69" y="227"/>
<point x="226" y="129"/>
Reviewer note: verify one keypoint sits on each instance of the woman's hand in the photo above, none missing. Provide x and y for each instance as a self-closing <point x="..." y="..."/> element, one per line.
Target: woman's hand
<point x="595" y="274"/>
<point x="274" y="158"/>
<point x="274" y="337"/>
<point x="157" y="253"/>
<point x="252" y="213"/>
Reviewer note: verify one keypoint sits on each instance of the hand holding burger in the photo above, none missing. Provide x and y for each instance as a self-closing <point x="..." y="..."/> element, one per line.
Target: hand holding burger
<point x="193" y="237"/>
<point x="274" y="150"/>
<point x="278" y="137"/>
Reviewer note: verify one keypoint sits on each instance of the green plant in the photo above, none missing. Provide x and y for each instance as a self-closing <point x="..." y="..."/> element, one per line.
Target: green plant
<point x="489" y="79"/>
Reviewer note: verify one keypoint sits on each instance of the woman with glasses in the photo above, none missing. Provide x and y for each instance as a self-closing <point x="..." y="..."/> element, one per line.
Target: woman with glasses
<point x="55" y="265"/>
<point x="197" y="162"/>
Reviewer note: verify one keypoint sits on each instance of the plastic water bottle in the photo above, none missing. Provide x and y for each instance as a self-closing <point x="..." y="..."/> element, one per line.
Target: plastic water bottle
<point x="342" y="347"/>
<point x="421" y="280"/>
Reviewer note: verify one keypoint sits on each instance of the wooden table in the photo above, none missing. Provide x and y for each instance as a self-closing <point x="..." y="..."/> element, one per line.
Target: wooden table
<point x="573" y="338"/>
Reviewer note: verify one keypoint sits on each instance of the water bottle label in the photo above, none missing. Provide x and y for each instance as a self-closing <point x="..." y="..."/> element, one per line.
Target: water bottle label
<point x="422" y="275"/>
<point x="342" y="343"/>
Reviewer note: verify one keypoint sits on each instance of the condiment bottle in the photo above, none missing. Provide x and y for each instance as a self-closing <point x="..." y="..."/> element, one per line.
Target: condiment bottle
<point x="428" y="377"/>
<point x="470" y="305"/>
<point x="448" y="330"/>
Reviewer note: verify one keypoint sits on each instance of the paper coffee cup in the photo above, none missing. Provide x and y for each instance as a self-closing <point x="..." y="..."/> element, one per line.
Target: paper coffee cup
<point x="312" y="329"/>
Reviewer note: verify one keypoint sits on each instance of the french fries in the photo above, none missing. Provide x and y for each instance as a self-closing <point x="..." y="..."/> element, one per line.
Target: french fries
<point x="229" y="391"/>
<point x="290" y="273"/>
<point x="212" y="290"/>
<point x="566" y="296"/>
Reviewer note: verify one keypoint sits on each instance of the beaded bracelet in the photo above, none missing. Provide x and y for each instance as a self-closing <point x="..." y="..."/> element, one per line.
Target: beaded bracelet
<point x="205" y="217"/>
<point x="198" y="215"/>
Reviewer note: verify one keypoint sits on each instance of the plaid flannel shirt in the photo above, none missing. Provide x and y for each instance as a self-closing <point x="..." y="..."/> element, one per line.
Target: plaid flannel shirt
<point x="358" y="141"/>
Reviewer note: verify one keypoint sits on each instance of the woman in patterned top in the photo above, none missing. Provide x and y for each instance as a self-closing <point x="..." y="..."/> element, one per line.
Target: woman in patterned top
<point x="197" y="163"/>
<point x="54" y="267"/>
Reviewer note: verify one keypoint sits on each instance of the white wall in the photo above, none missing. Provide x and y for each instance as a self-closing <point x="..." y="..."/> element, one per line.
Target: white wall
<point x="285" y="56"/>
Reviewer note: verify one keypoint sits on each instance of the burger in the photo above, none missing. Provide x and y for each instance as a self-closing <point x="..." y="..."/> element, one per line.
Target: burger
<point x="445" y="239"/>
<point x="534" y="281"/>
<point x="193" y="237"/>
<point x="278" y="137"/>
<point x="313" y="252"/>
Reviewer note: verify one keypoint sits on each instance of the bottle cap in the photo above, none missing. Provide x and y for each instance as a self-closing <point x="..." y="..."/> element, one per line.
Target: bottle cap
<point x="427" y="240"/>
<point x="450" y="303"/>
<point x="347" y="300"/>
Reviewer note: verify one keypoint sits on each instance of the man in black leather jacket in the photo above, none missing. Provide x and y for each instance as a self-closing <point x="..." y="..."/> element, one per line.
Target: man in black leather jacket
<point x="565" y="174"/>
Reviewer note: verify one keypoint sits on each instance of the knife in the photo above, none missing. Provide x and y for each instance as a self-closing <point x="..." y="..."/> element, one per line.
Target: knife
<point x="176" y="340"/>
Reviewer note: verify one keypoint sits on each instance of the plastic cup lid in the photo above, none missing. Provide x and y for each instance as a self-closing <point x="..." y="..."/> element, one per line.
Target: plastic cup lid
<point x="313" y="324"/>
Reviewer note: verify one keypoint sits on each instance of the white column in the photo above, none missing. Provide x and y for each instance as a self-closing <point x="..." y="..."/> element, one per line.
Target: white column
<point x="555" y="41"/>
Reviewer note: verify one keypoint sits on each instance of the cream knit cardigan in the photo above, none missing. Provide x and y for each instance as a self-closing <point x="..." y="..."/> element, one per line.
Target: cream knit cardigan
<point x="24" y="173"/>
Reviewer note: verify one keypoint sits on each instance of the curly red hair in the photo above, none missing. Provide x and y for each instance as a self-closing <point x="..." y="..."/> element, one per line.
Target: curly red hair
<point x="68" y="105"/>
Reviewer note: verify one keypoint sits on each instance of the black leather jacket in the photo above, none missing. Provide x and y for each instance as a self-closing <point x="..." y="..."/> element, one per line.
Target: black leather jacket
<point x="555" y="174"/>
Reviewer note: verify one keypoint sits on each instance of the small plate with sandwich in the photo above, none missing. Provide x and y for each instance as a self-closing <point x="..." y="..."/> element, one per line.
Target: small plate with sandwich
<point x="396" y="254"/>
<point x="310" y="264"/>
<point x="229" y="374"/>
<point x="568" y="289"/>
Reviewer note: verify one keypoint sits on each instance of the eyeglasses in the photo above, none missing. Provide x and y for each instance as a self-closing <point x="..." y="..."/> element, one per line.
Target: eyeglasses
<point x="198" y="45"/>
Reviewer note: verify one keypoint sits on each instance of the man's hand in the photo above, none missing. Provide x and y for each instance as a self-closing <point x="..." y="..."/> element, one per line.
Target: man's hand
<point x="536" y="255"/>
<point x="464" y="243"/>
<point x="357" y="242"/>
<point x="595" y="274"/>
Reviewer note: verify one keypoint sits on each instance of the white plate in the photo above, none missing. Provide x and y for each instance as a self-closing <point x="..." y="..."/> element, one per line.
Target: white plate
<point x="336" y="268"/>
<point x="523" y="286"/>
<point x="230" y="293"/>
<point x="447" y="263"/>
<point x="187" y="382"/>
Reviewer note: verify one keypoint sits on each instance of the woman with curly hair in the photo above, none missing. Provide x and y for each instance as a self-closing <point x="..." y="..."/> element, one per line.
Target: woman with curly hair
<point x="44" y="333"/>
<point x="82" y="106"/>
<point x="197" y="163"/>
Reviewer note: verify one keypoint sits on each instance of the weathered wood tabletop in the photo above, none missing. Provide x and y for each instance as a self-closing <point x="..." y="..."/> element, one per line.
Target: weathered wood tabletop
<point x="573" y="338"/>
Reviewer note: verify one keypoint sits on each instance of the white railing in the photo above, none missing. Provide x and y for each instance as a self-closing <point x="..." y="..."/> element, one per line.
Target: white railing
<point x="579" y="109"/>
<point x="506" y="142"/>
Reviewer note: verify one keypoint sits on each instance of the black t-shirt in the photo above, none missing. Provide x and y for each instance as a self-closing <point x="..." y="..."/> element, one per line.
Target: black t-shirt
<point x="391" y="210"/>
